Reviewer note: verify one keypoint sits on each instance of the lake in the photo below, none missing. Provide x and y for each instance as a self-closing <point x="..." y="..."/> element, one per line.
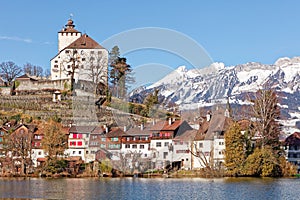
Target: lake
<point x="154" y="188"/>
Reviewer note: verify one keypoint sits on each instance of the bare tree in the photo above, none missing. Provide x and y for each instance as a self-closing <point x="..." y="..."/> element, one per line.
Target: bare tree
<point x="47" y="73"/>
<point x="54" y="141"/>
<point x="33" y="70"/>
<point x="97" y="72"/>
<point x="19" y="145"/>
<point x="266" y="111"/>
<point x="9" y="71"/>
<point x="71" y="64"/>
<point x="206" y="159"/>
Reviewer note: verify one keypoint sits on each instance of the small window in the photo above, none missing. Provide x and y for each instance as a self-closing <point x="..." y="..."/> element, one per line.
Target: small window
<point x="166" y="144"/>
<point x="83" y="59"/>
<point x="79" y="143"/>
<point x="99" y="53"/>
<point x="67" y="51"/>
<point x="200" y="145"/>
<point x="134" y="146"/>
<point x="92" y="52"/>
<point x="74" y="152"/>
<point x="127" y="146"/>
<point x="103" y="139"/>
<point x="158" y="144"/>
<point x="56" y="61"/>
<point x="165" y="155"/>
<point x="87" y="152"/>
<point x="79" y="152"/>
<point x="39" y="153"/>
<point x="142" y="146"/>
<point x="145" y="155"/>
<point x="68" y="66"/>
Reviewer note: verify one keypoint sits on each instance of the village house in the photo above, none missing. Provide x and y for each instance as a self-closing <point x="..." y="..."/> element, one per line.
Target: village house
<point x="78" y="141"/>
<point x="209" y="144"/>
<point x="292" y="149"/>
<point x="19" y="146"/>
<point x="94" y="142"/>
<point x="182" y="145"/>
<point x="162" y="135"/>
<point x="111" y="142"/>
<point x="38" y="155"/>
<point x="137" y="140"/>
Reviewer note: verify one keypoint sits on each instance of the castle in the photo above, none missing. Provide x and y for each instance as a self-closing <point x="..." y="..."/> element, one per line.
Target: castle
<point x="79" y="57"/>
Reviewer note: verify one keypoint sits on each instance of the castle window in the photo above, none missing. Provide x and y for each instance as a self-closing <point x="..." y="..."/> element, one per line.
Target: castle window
<point x="55" y="66"/>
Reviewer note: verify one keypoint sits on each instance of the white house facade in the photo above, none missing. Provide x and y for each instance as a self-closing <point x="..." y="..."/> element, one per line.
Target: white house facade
<point x="80" y="54"/>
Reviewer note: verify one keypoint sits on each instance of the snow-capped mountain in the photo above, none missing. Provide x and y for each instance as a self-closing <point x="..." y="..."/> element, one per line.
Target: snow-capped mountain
<point x="201" y="87"/>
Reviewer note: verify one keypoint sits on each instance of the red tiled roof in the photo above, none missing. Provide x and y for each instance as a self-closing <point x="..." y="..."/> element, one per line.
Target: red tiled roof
<point x="81" y="129"/>
<point x="69" y="27"/>
<point x="98" y="130"/>
<point x="41" y="159"/>
<point x="293" y="139"/>
<point x="25" y="77"/>
<point x="165" y="126"/>
<point x="84" y="42"/>
<point x="115" y="132"/>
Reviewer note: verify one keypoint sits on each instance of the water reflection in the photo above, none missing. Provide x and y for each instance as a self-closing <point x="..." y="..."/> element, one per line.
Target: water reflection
<point x="139" y="188"/>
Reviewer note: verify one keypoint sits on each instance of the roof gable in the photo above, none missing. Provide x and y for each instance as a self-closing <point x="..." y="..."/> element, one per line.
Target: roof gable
<point x="84" y="42"/>
<point x="166" y="126"/>
<point x="81" y="129"/>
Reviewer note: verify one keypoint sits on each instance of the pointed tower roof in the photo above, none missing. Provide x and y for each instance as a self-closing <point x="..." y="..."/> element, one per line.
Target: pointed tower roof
<point x="84" y="42"/>
<point x="69" y="27"/>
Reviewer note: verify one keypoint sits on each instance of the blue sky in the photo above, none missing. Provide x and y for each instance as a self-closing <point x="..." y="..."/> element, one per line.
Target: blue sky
<point x="233" y="32"/>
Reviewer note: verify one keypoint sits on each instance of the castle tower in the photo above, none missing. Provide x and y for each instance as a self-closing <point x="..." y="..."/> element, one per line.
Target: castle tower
<point x="67" y="35"/>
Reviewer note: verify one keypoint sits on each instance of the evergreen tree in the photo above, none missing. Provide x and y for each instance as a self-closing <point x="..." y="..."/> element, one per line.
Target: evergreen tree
<point x="113" y="56"/>
<point x="235" y="150"/>
<point x="121" y="71"/>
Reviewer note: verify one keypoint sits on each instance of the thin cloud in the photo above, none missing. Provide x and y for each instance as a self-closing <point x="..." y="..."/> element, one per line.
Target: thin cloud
<point x="18" y="39"/>
<point x="47" y="43"/>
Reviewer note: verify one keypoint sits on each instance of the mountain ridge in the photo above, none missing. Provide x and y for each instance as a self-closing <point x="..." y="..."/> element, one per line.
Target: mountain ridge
<point x="199" y="87"/>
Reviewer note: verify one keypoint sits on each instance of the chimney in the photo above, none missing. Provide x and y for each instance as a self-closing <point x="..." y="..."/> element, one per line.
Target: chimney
<point x="125" y="128"/>
<point x="170" y="121"/>
<point x="208" y="116"/>
<point x="142" y="126"/>
<point x="106" y="128"/>
<point x="153" y="121"/>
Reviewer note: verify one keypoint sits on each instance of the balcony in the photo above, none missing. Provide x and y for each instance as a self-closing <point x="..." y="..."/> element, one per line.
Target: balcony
<point x="161" y="137"/>
<point x="141" y="141"/>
